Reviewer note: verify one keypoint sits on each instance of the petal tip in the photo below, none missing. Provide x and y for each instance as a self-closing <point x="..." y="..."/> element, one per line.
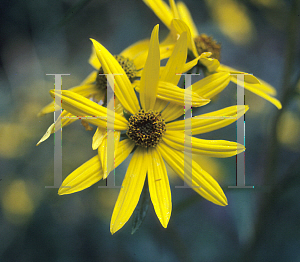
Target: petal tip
<point x="223" y="200"/>
<point x="65" y="190"/>
<point x="95" y="42"/>
<point x="279" y="106"/>
<point x="165" y="222"/>
<point x="113" y="228"/>
<point x="61" y="191"/>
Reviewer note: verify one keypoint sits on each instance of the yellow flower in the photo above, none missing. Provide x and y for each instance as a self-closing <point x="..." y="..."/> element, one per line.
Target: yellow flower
<point x="178" y="19"/>
<point x="154" y="139"/>
<point x="138" y="53"/>
<point x="132" y="60"/>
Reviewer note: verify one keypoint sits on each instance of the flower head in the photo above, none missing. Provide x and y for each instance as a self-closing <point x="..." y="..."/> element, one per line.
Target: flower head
<point x="151" y="135"/>
<point x="178" y="19"/>
<point x="132" y="61"/>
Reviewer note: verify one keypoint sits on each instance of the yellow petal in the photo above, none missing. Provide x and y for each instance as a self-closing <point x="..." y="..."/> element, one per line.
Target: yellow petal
<point x="50" y="108"/>
<point x="93" y="60"/>
<point x="267" y="87"/>
<point x="211" y="121"/>
<point x="211" y="85"/>
<point x="197" y="178"/>
<point x="83" y="177"/>
<point x="134" y="50"/>
<point x="185" y="15"/>
<point x="180" y="96"/>
<point x="173" y="69"/>
<point x="65" y="119"/>
<point x="48" y="133"/>
<point x="254" y="85"/>
<point x="98" y="137"/>
<point x="179" y="26"/>
<point x="87" y="88"/>
<point x="118" y="107"/>
<point x="166" y="51"/>
<point x="190" y="64"/>
<point x="131" y="190"/>
<point x="90" y="79"/>
<point x="213" y="148"/>
<point x="162" y="10"/>
<point x="91" y="171"/>
<point x="171" y="38"/>
<point x="123" y="88"/>
<point x="211" y="64"/>
<point x="160" y="105"/>
<point x="108" y="162"/>
<point x="172" y="93"/>
<point x="249" y="80"/>
<point x="173" y="112"/>
<point x="125" y="147"/>
<point x="150" y="74"/>
<point x="174" y="9"/>
<point x="159" y="186"/>
<point x="81" y="107"/>
<point x="121" y="152"/>
<point x="140" y="60"/>
<point x="254" y="89"/>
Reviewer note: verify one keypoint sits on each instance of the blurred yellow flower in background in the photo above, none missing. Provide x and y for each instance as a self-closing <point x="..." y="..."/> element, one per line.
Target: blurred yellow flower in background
<point x="233" y="20"/>
<point x="288" y="130"/>
<point x="17" y="203"/>
<point x="17" y="132"/>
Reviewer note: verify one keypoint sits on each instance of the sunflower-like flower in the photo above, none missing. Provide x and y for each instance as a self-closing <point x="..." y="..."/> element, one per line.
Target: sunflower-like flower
<point x="150" y="137"/>
<point x="132" y="60"/>
<point x="95" y="86"/>
<point x="178" y="19"/>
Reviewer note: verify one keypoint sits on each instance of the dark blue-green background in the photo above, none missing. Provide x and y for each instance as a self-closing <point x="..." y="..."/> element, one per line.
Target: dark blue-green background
<point x="36" y="224"/>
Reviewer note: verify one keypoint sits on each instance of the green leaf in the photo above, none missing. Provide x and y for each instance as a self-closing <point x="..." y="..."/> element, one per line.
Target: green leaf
<point x="141" y="209"/>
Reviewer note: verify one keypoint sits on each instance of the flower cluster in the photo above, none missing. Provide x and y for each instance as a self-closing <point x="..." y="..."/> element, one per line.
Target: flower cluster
<point x="148" y="102"/>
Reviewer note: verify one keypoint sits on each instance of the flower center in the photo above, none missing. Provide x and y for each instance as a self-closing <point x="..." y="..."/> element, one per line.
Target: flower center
<point x="127" y="65"/>
<point x="146" y="128"/>
<point x="206" y="43"/>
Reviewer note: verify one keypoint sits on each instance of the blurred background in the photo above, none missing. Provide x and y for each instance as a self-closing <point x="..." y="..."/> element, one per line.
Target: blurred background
<point x="48" y="37"/>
